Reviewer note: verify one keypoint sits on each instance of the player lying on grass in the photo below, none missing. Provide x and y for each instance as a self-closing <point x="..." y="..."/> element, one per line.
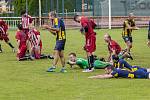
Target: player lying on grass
<point x="83" y="63"/>
<point x="121" y="63"/>
<point x="115" y="49"/>
<point x="22" y="41"/>
<point x="4" y="34"/>
<point x="140" y="73"/>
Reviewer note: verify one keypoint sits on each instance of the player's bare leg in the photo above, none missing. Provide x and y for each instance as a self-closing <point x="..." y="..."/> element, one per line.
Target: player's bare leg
<point x="148" y="43"/>
<point x="62" y="58"/>
<point x="129" y="46"/>
<point x="13" y="48"/>
<point x="55" y="61"/>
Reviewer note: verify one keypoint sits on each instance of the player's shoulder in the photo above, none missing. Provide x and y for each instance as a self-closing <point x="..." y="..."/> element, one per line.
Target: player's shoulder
<point x="36" y="31"/>
<point x="113" y="42"/>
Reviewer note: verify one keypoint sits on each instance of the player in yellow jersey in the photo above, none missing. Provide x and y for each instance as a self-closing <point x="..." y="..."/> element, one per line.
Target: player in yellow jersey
<point x="128" y="26"/>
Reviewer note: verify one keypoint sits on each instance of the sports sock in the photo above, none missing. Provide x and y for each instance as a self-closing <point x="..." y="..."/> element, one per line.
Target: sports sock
<point x="91" y="62"/>
<point x="11" y="45"/>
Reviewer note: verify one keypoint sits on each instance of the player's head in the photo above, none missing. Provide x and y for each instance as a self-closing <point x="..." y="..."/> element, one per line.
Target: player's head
<point x="77" y="18"/>
<point x="20" y="26"/>
<point x="52" y="15"/>
<point x="131" y="16"/>
<point x="23" y="12"/>
<point x="108" y="69"/>
<point x="107" y="37"/>
<point x="72" y="57"/>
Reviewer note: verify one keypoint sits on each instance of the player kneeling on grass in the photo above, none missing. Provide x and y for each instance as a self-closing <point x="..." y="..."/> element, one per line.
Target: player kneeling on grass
<point x="36" y="45"/>
<point x="22" y="38"/>
<point x="115" y="49"/>
<point x="83" y="63"/>
<point x="4" y="34"/>
<point x="140" y="73"/>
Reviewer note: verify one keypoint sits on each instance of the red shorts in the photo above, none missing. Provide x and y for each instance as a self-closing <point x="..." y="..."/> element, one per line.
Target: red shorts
<point x="90" y="45"/>
<point x="22" y="51"/>
<point x="4" y="37"/>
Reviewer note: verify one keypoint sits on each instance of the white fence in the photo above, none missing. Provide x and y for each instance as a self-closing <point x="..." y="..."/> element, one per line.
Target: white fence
<point x="13" y="21"/>
<point x="101" y="21"/>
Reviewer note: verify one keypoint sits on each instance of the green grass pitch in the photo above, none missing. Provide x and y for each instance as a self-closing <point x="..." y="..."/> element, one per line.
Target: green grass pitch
<point x="28" y="80"/>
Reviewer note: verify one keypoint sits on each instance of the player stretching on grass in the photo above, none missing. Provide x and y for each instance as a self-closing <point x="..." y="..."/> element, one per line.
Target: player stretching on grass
<point x="59" y="31"/>
<point x="4" y="34"/>
<point x="90" y="36"/>
<point x="128" y="26"/>
<point x="83" y="63"/>
<point x="140" y="73"/>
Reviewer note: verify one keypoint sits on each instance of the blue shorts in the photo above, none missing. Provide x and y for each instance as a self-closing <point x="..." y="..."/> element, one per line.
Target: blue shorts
<point x="127" y="38"/>
<point x="141" y="74"/>
<point x="60" y="45"/>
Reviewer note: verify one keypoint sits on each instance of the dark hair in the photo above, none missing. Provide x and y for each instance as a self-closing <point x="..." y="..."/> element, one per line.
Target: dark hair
<point x="75" y="17"/>
<point x="20" y="26"/>
<point x="74" y="54"/>
<point x="23" y="12"/>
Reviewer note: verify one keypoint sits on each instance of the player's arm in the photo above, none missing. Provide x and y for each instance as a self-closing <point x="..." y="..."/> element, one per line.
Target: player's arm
<point x="49" y="29"/>
<point x="109" y="56"/>
<point x="129" y="27"/>
<point x="71" y="62"/>
<point x="18" y="43"/>
<point x="104" y="76"/>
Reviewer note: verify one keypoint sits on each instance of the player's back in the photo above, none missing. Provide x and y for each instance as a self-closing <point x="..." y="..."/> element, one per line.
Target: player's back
<point x="3" y="25"/>
<point x="122" y="73"/>
<point x="26" y="20"/>
<point x="113" y="45"/>
<point x="32" y="36"/>
<point x="86" y="22"/>
<point x="20" y="35"/>
<point x="82" y="63"/>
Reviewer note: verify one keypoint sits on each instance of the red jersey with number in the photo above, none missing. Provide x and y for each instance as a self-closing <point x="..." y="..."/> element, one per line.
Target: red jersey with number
<point x="26" y="20"/>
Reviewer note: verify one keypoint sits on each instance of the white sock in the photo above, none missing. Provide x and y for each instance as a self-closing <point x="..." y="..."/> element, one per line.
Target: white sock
<point x="148" y="70"/>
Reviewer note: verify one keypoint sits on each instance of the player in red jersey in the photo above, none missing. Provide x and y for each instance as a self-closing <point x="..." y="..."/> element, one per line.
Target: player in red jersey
<point x="35" y="43"/>
<point x="21" y="38"/>
<point x="90" y="45"/>
<point x="114" y="49"/>
<point x="4" y="34"/>
<point x="26" y="21"/>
